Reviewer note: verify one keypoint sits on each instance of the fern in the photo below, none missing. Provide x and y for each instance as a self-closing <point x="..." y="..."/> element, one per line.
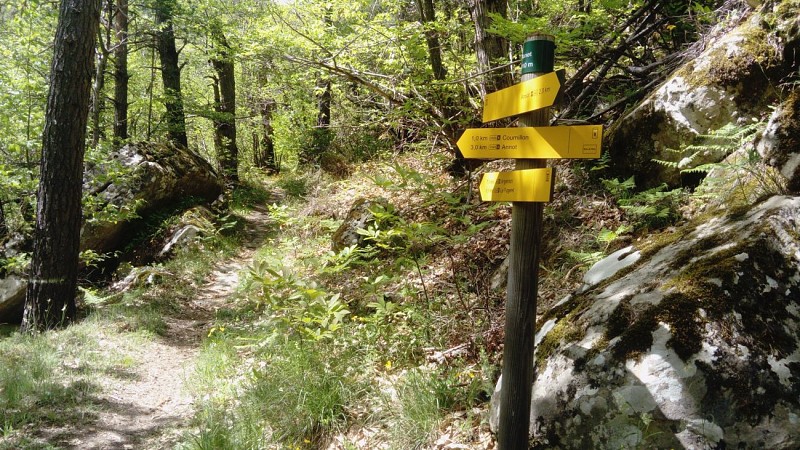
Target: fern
<point x="716" y="146"/>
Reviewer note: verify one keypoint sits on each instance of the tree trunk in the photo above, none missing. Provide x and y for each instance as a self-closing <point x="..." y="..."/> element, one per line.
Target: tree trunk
<point x="225" y="125"/>
<point x="427" y="16"/>
<point x="267" y="144"/>
<point x="121" y="74"/>
<point x="50" y="296"/>
<point x="3" y="224"/>
<point x="170" y="73"/>
<point x="98" y="97"/>
<point x="321" y="136"/>
<point x="489" y="48"/>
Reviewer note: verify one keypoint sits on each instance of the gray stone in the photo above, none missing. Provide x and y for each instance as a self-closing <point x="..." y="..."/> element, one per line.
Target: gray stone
<point x="359" y="217"/>
<point x="697" y="345"/>
<point x="732" y="79"/>
<point x="779" y="145"/>
<point x="12" y="298"/>
<point x="160" y="175"/>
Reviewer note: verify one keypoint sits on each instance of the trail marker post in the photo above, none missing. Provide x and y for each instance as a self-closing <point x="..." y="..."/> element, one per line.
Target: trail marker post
<point x="527" y="187"/>
<point x="523" y="273"/>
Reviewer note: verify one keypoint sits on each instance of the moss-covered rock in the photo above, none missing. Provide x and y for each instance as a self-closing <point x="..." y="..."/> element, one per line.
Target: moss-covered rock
<point x="158" y="176"/>
<point x="695" y="345"/>
<point x="779" y="146"/>
<point x="735" y="79"/>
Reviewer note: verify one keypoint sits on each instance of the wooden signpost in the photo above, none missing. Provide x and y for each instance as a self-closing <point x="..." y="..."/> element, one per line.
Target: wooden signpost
<point x="523" y="97"/>
<point x="528" y="187"/>
<point x="532" y="185"/>
<point x="580" y="141"/>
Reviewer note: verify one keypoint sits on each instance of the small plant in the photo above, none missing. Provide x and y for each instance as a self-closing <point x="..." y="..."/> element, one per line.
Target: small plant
<point x="295" y="185"/>
<point x="653" y="208"/>
<point x="736" y="172"/>
<point x="300" y="308"/>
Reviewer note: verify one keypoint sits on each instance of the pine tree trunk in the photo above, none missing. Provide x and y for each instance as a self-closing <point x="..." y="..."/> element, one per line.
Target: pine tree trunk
<point x="98" y="96"/>
<point x="170" y="73"/>
<point x="225" y="127"/>
<point x="489" y="48"/>
<point x="267" y="143"/>
<point x="50" y="297"/>
<point x="321" y="136"/>
<point x="121" y="74"/>
<point x="427" y="16"/>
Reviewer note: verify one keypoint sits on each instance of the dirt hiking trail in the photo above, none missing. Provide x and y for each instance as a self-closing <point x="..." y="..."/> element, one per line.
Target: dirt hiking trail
<point x="151" y="406"/>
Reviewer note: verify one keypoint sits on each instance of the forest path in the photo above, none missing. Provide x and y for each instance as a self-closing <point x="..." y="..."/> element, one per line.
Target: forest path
<point x="152" y="406"/>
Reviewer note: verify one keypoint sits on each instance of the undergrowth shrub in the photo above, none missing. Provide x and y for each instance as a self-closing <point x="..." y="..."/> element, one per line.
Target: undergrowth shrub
<point x="653" y="208"/>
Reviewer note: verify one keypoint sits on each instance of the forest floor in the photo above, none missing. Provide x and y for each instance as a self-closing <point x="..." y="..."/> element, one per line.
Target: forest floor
<point x="151" y="406"/>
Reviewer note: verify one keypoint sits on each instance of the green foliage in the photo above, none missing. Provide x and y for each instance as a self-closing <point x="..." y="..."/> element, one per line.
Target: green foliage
<point x="654" y="208"/>
<point x="736" y="174"/>
<point x="714" y="146"/>
<point x="423" y="399"/>
<point x="297" y="308"/>
<point x="247" y="195"/>
<point x="306" y="388"/>
<point x="52" y="378"/>
<point x="295" y="184"/>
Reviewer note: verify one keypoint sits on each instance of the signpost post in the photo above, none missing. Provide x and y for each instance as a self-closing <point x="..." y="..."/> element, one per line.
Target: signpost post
<point x="527" y="187"/>
<point x="523" y="274"/>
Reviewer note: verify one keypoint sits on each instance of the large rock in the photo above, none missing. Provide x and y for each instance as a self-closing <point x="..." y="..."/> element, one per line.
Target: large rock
<point x="157" y="176"/>
<point x="12" y="298"/>
<point x="690" y="341"/>
<point x="733" y="80"/>
<point x="359" y="217"/>
<point x="161" y="175"/>
<point x="779" y="146"/>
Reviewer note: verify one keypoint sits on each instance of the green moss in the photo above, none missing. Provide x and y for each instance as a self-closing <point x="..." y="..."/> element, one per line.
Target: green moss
<point x="659" y="241"/>
<point x="620" y="319"/>
<point x="566" y="330"/>
<point x="745" y="67"/>
<point x="577" y="303"/>
<point x="637" y="337"/>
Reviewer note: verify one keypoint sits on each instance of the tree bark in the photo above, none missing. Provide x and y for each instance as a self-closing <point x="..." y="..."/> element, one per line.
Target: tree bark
<point x="427" y="17"/>
<point x="267" y="153"/>
<point x="170" y="73"/>
<point x="225" y="124"/>
<point x="121" y="74"/>
<point x="103" y="52"/>
<point x="488" y="48"/>
<point x="50" y="296"/>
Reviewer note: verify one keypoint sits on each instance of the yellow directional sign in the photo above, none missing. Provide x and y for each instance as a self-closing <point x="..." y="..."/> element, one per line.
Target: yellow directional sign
<point x="529" y="185"/>
<point x="539" y="92"/>
<point x="575" y="141"/>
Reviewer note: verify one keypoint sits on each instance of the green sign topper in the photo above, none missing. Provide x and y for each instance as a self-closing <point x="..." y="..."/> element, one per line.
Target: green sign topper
<point x="538" y="56"/>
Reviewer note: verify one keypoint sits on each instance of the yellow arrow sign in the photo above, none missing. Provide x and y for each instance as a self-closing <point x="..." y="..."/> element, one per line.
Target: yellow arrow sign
<point x="537" y="93"/>
<point x="576" y="141"/>
<point x="529" y="185"/>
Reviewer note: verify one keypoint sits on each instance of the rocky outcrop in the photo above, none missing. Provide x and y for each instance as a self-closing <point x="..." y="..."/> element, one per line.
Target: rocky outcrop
<point x="159" y="175"/>
<point x="690" y="340"/>
<point x="147" y="177"/>
<point x="12" y="298"/>
<point x="779" y="146"/>
<point x="359" y="217"/>
<point x="734" y="79"/>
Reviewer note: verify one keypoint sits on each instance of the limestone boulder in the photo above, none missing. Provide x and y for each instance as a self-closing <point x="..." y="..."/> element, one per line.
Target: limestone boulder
<point x="149" y="176"/>
<point x="779" y="145"/>
<point x="733" y="78"/>
<point x="12" y="298"/>
<point x="359" y="217"/>
<point x="688" y="340"/>
<point x="158" y="175"/>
